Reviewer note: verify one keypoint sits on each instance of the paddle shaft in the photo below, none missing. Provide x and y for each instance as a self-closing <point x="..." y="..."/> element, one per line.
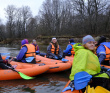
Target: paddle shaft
<point x="12" y="68"/>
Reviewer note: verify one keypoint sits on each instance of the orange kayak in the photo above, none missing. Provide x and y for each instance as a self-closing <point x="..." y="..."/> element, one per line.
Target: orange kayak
<point x="55" y="65"/>
<point x="69" y="91"/>
<point x="28" y="69"/>
<point x="44" y="59"/>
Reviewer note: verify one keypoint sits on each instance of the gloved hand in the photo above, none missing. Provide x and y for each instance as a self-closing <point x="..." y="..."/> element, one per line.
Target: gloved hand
<point x="37" y="52"/>
<point x="108" y="72"/>
<point x="60" y="56"/>
<point x="8" y="57"/>
<point x="70" y="87"/>
<point x="56" y="57"/>
<point x="64" y="60"/>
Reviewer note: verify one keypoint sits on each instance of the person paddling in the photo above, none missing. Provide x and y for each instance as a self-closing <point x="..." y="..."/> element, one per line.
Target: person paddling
<point x="54" y="50"/>
<point x="86" y="60"/>
<point x="5" y="63"/>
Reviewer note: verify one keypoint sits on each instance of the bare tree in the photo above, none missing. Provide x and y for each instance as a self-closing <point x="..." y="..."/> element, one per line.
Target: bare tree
<point x="10" y="15"/>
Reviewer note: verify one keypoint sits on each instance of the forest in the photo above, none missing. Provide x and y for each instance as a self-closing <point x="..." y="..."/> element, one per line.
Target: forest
<point x="57" y="18"/>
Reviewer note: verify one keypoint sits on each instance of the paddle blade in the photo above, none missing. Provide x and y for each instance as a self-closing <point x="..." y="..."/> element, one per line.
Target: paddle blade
<point x="25" y="76"/>
<point x="81" y="80"/>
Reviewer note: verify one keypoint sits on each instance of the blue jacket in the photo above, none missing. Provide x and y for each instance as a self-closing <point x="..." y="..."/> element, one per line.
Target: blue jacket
<point x="21" y="55"/>
<point x="101" y="52"/>
<point x="68" y="48"/>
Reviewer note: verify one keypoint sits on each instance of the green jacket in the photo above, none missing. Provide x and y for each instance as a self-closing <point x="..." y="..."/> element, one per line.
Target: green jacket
<point x="85" y="60"/>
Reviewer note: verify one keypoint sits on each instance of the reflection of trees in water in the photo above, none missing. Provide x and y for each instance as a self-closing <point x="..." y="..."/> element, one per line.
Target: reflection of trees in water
<point x="41" y="84"/>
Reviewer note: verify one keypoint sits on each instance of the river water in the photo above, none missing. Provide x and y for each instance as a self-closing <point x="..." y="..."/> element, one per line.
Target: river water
<point x="44" y="83"/>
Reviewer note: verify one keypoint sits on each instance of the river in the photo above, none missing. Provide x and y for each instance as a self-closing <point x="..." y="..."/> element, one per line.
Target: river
<point x="44" y="83"/>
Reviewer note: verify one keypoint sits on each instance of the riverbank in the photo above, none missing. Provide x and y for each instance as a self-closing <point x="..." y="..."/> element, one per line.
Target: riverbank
<point x="46" y="39"/>
<point x="41" y="40"/>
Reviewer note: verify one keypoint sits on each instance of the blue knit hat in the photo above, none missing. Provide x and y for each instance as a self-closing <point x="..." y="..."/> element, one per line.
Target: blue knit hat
<point x="87" y="39"/>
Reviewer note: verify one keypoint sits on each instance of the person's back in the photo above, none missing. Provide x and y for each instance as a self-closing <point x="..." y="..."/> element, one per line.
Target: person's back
<point x="69" y="49"/>
<point x="27" y="51"/>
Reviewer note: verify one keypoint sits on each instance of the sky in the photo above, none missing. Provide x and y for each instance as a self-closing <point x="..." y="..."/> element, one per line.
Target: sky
<point x="33" y="4"/>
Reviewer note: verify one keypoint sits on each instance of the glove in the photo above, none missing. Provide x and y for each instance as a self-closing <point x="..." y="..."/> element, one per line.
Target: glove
<point x="70" y="87"/>
<point x="108" y="72"/>
<point x="8" y="57"/>
<point x="56" y="57"/>
<point x="64" y="60"/>
<point x="37" y="52"/>
<point x="60" y="56"/>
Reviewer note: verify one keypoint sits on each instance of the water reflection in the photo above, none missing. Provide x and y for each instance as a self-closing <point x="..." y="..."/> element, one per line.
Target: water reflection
<point x="45" y="83"/>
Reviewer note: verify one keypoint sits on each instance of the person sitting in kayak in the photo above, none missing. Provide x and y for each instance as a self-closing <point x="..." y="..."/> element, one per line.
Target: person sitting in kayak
<point x="27" y="53"/>
<point x="69" y="49"/>
<point x="54" y="50"/>
<point x="37" y="48"/>
<point x="86" y="60"/>
<point x="4" y="63"/>
<point x="103" y="51"/>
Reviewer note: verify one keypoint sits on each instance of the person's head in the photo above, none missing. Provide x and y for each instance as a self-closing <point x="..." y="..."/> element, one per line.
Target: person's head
<point x="96" y="40"/>
<point x="71" y="40"/>
<point x="34" y="41"/>
<point x="88" y="42"/>
<point x="25" y="41"/>
<point x="101" y="40"/>
<point x="54" y="40"/>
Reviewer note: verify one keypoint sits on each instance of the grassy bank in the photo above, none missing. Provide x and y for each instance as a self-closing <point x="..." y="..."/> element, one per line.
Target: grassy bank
<point x="46" y="39"/>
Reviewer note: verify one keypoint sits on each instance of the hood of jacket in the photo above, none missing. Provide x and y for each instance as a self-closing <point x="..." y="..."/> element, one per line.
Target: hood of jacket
<point x="78" y="46"/>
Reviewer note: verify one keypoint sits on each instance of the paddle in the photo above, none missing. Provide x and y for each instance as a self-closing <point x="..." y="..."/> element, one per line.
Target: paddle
<point x="81" y="79"/>
<point x="21" y="74"/>
<point x="5" y="53"/>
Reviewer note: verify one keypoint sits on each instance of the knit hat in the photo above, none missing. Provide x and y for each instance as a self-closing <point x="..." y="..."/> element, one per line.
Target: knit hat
<point x="71" y="40"/>
<point x="87" y="39"/>
<point x="25" y="41"/>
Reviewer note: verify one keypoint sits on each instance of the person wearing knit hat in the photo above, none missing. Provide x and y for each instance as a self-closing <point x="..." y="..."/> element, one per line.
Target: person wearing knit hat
<point x="86" y="60"/>
<point x="69" y="49"/>
<point x="103" y="51"/>
<point x="27" y="51"/>
<point x="54" y="50"/>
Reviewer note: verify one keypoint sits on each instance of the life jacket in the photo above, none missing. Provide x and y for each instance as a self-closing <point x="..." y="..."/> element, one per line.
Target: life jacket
<point x="72" y="50"/>
<point x="107" y="50"/>
<point x="30" y="50"/>
<point x="53" y="49"/>
<point x="36" y="47"/>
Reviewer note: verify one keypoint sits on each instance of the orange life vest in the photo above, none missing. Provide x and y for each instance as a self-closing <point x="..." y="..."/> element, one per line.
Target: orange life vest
<point x="30" y="50"/>
<point x="53" y="49"/>
<point x="107" y="53"/>
<point x="72" y="50"/>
